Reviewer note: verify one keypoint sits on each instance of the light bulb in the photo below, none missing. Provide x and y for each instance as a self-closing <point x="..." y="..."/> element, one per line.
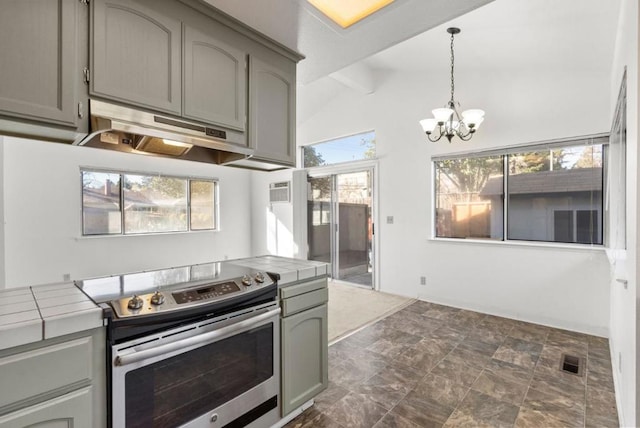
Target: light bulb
<point x="176" y="143"/>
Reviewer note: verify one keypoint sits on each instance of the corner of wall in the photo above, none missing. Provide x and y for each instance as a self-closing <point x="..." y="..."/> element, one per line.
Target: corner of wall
<point x="3" y="276"/>
<point x="299" y="202"/>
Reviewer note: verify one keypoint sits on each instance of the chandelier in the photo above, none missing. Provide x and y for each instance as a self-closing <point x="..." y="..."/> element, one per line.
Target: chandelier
<point x="447" y="121"/>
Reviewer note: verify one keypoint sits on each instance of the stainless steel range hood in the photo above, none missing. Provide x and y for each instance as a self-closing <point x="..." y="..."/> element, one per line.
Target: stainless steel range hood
<point x="124" y="129"/>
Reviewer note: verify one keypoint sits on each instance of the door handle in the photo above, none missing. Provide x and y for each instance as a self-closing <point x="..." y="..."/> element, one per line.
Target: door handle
<point x="201" y="339"/>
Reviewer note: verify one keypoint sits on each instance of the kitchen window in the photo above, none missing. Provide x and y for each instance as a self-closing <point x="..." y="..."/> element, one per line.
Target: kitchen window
<point x="551" y="192"/>
<point x="115" y="203"/>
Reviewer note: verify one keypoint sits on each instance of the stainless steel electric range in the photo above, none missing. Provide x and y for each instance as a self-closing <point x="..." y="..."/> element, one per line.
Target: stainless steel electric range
<point x="192" y="346"/>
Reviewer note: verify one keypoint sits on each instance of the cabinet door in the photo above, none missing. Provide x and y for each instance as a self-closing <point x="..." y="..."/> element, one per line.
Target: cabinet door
<point x="136" y="55"/>
<point x="39" y="67"/>
<point x="304" y="357"/>
<point x="272" y="112"/>
<point x="215" y="81"/>
<point x="67" y="411"/>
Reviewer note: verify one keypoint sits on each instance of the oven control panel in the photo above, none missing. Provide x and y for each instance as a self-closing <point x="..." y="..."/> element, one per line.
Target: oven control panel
<point x="205" y="293"/>
<point x="169" y="299"/>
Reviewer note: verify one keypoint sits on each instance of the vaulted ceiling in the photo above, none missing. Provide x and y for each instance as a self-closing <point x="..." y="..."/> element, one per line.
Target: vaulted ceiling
<point x="329" y="48"/>
<point x="512" y="36"/>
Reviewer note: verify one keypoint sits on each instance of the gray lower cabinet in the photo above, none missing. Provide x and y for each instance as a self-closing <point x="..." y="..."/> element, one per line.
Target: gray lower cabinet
<point x="272" y="112"/>
<point x="304" y="357"/>
<point x="136" y="54"/>
<point x="39" y="67"/>
<point x="67" y="411"/>
<point x="58" y="382"/>
<point x="215" y="81"/>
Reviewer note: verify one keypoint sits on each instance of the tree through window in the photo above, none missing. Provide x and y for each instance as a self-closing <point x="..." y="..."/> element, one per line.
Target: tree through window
<point x="553" y="194"/>
<point x="119" y="203"/>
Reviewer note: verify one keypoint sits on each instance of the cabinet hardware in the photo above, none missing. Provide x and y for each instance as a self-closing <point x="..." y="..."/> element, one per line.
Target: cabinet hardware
<point x="87" y="75"/>
<point x="80" y="111"/>
<point x="85" y="2"/>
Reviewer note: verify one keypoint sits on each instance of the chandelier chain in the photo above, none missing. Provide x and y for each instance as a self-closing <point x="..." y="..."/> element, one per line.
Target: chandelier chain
<point x="452" y="82"/>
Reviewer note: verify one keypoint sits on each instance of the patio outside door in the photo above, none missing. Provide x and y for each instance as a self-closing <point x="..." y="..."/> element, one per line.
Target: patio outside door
<point x="340" y="225"/>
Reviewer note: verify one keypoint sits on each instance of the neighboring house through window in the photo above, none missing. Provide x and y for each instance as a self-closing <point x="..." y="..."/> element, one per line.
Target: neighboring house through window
<point x="552" y="193"/>
<point x="126" y="203"/>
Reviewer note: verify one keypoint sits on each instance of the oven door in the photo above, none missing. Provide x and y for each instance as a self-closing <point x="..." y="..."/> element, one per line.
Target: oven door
<point x="222" y="372"/>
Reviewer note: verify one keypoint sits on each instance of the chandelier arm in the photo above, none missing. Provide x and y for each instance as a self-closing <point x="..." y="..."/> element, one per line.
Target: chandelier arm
<point x="463" y="129"/>
<point x="440" y="134"/>
<point x="465" y="137"/>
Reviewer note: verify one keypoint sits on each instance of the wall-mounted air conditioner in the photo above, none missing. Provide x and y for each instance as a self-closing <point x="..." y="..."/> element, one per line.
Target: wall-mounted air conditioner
<point x="280" y="192"/>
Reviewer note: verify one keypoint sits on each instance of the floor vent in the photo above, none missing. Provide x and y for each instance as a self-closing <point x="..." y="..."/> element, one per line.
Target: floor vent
<point x="572" y="365"/>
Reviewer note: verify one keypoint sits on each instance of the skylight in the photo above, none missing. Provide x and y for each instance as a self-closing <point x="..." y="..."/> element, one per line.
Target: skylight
<point x="347" y="12"/>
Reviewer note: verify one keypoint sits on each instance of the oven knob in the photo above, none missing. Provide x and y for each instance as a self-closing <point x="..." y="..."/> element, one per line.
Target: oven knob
<point x="157" y="298"/>
<point x="259" y="278"/>
<point x="246" y="280"/>
<point x="135" y="302"/>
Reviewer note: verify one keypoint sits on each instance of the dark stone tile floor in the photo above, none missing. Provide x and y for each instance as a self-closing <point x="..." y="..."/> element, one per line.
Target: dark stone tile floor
<point x="430" y="365"/>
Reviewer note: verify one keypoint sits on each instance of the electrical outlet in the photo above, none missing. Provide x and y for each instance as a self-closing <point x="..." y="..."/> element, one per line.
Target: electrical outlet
<point x="423" y="280"/>
<point x="66" y="277"/>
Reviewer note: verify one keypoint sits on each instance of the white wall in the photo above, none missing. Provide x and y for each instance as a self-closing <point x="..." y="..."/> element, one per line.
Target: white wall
<point x="623" y="322"/>
<point x="272" y="224"/>
<point x="561" y="287"/>
<point x="42" y="213"/>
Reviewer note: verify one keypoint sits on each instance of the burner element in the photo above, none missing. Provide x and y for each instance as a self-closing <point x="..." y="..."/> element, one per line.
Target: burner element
<point x="157" y="298"/>
<point x="246" y="280"/>
<point x="135" y="302"/>
<point x="259" y="278"/>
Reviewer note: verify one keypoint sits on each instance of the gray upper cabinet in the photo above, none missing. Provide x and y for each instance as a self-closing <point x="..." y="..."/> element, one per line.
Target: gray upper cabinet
<point x="136" y="55"/>
<point x="215" y="81"/>
<point x="178" y="57"/>
<point x="272" y="112"/>
<point x="39" y="67"/>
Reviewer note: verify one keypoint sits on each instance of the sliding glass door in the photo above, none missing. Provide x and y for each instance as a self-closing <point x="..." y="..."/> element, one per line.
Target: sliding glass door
<point x="340" y="224"/>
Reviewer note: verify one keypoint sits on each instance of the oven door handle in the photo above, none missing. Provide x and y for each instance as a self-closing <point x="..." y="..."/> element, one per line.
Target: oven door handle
<point x="230" y="330"/>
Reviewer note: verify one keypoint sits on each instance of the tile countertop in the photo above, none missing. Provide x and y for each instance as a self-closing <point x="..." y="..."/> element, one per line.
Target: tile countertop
<point x="31" y="314"/>
<point x="290" y="270"/>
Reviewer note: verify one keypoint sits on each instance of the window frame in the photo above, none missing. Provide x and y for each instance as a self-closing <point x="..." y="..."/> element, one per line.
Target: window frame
<point x="304" y="147"/>
<point x="595" y="139"/>
<point x="122" y="173"/>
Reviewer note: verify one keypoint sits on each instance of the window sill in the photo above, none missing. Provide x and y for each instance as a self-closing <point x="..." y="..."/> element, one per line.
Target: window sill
<point x="190" y="232"/>
<point x="526" y="244"/>
<point x="616" y="254"/>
